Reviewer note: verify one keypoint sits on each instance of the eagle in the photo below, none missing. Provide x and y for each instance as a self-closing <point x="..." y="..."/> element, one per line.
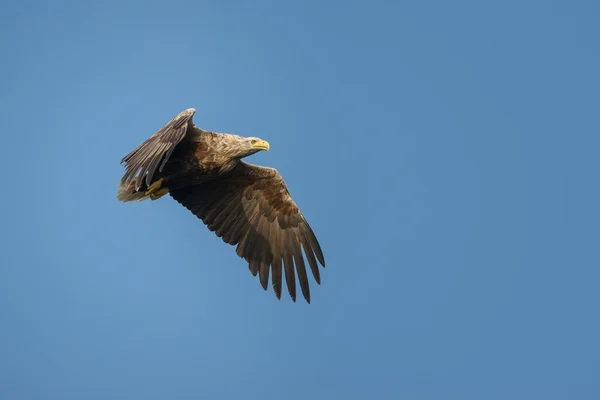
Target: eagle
<point x="246" y="205"/>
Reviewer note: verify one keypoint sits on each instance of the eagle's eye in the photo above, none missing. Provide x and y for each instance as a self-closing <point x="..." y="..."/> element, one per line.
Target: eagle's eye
<point x="253" y="141"/>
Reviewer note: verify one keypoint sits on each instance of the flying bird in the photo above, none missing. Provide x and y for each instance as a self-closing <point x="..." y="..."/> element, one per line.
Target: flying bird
<point x="244" y="204"/>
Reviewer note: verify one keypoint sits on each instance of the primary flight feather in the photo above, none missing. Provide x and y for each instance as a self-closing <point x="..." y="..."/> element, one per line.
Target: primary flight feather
<point x="244" y="204"/>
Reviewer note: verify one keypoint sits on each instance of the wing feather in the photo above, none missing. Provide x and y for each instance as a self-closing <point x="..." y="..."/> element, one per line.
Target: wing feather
<point x="310" y="256"/>
<point x="288" y="267"/>
<point x="251" y="207"/>
<point x="142" y="163"/>
<point x="276" y="277"/>
<point x="300" y="267"/>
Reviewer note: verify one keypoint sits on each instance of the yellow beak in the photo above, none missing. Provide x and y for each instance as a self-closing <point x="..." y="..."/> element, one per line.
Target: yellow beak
<point x="262" y="145"/>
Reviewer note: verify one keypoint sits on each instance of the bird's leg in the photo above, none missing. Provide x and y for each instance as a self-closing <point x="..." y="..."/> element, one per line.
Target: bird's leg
<point x="159" y="193"/>
<point x="156" y="191"/>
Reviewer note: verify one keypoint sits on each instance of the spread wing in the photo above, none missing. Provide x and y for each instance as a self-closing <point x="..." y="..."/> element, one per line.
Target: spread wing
<point x="142" y="162"/>
<point x="251" y="207"/>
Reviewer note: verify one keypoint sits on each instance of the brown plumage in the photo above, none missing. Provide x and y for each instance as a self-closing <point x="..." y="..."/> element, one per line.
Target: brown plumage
<point x="245" y="205"/>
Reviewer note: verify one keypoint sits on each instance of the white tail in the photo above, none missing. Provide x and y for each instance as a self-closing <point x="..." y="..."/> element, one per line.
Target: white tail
<point x="126" y="194"/>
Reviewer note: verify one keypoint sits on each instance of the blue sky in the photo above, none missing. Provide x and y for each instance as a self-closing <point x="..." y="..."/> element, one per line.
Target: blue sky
<point x="444" y="153"/>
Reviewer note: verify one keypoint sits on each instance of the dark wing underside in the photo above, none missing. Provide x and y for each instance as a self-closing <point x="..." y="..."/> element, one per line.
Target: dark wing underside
<point x="143" y="161"/>
<point x="251" y="207"/>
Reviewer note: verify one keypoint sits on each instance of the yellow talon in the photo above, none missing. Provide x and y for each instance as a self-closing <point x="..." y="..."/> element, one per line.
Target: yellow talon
<point x="155" y="191"/>
<point x="159" y="193"/>
<point x="154" y="186"/>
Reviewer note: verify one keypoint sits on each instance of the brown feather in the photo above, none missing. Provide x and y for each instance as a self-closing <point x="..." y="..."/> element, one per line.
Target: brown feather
<point x="250" y="207"/>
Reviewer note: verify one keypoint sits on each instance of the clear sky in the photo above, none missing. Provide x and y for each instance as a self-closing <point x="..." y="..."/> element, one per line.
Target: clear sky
<point x="445" y="153"/>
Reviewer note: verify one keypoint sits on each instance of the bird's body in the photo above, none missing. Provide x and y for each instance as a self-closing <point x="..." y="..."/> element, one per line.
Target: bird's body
<point x="244" y="204"/>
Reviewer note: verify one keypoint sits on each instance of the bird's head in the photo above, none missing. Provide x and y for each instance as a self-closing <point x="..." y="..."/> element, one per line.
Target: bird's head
<point x="254" y="145"/>
<point x="237" y="147"/>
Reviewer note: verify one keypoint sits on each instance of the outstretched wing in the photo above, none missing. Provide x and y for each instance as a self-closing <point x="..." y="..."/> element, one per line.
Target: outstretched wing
<point x="142" y="162"/>
<point x="251" y="207"/>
